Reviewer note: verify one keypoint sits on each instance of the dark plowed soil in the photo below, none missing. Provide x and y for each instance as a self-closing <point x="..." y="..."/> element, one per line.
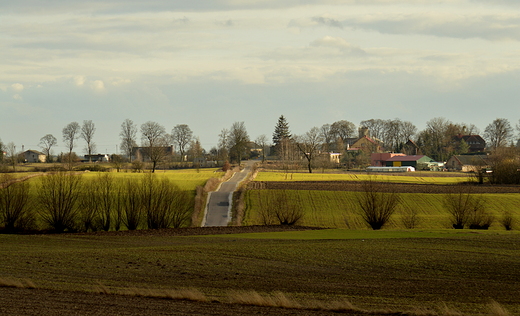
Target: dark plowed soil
<point x="397" y="187"/>
<point x="29" y="302"/>
<point x="193" y="231"/>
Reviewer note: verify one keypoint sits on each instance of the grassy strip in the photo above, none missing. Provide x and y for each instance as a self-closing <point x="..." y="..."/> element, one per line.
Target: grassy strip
<point x="338" y="209"/>
<point x="416" y="177"/>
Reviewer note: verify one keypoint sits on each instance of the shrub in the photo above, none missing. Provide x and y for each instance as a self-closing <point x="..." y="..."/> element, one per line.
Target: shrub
<point x="465" y="207"/>
<point x="377" y="206"/>
<point x="507" y="220"/>
<point x="58" y="199"/>
<point x="279" y="208"/>
<point x="15" y="205"/>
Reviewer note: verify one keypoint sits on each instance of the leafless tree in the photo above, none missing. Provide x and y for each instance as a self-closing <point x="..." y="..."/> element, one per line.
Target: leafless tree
<point x="129" y="200"/>
<point x="46" y="143"/>
<point x="58" y="199"/>
<point x="375" y="126"/>
<point x="106" y="192"/>
<point x="155" y="139"/>
<point x="87" y="133"/>
<point x="238" y="141"/>
<point x="499" y="133"/>
<point x="309" y="145"/>
<point x="182" y="136"/>
<point x="15" y="205"/>
<point x="88" y="206"/>
<point x="278" y="207"/>
<point x="223" y="150"/>
<point x="70" y="134"/>
<point x="377" y="204"/>
<point x="342" y="129"/>
<point x="462" y="206"/>
<point x="328" y="137"/>
<point x="128" y="137"/>
<point x="12" y="155"/>
<point x="262" y="142"/>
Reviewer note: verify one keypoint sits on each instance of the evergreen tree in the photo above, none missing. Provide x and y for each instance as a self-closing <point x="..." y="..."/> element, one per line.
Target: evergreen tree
<point x="281" y="131"/>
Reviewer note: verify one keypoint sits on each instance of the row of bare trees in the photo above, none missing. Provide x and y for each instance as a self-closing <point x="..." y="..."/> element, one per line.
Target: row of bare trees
<point x="68" y="202"/>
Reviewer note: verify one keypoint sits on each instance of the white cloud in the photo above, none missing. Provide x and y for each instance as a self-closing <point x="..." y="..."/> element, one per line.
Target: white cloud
<point x="18" y="87"/>
<point x="79" y="80"/>
<point x="17" y="97"/>
<point x="98" y="85"/>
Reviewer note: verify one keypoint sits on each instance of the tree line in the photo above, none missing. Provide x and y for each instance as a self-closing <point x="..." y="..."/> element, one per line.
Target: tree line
<point x="436" y="140"/>
<point x="67" y="202"/>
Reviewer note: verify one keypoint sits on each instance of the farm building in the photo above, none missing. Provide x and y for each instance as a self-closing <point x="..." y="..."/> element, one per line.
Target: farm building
<point x="475" y="142"/>
<point x="34" y="156"/>
<point x="391" y="169"/>
<point x="96" y="158"/>
<point x="419" y="162"/>
<point x="467" y="163"/>
<point x="379" y="159"/>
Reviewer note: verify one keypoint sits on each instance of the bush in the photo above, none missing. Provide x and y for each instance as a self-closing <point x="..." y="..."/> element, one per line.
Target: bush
<point x="377" y="206"/>
<point x="58" y="200"/>
<point x="15" y="214"/>
<point x="465" y="208"/>
<point x="279" y="208"/>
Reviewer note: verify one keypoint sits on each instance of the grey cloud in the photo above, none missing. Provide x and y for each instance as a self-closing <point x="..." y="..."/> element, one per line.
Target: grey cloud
<point x="328" y="22"/>
<point x="488" y="27"/>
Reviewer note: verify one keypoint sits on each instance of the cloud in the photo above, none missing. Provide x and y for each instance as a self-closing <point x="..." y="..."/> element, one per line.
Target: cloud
<point x="490" y="27"/>
<point x="338" y="43"/>
<point x="98" y="85"/>
<point x="18" y="87"/>
<point x="327" y="21"/>
<point x="79" y="80"/>
<point x="17" y="97"/>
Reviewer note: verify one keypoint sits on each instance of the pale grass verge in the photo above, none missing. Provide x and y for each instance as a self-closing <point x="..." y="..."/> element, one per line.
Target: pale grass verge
<point x="281" y="300"/>
<point x="18" y="283"/>
<point x="179" y="294"/>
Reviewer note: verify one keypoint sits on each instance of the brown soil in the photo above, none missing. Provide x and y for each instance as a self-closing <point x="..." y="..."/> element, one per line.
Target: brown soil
<point x="28" y="302"/>
<point x="192" y="231"/>
<point x="397" y="187"/>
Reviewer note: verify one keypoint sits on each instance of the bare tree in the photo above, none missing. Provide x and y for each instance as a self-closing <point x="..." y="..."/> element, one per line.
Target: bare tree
<point x="182" y="135"/>
<point x="328" y="137"/>
<point x="128" y="137"/>
<point x="15" y="205"/>
<point x="87" y="133"/>
<point x="309" y="145"/>
<point x="278" y="207"/>
<point x="58" y="198"/>
<point x="463" y="206"/>
<point x="261" y="141"/>
<point x="377" y="204"/>
<point x="11" y="155"/>
<point x="342" y="129"/>
<point x="238" y="141"/>
<point x="70" y="134"/>
<point x="223" y="142"/>
<point x="46" y="143"/>
<point x="375" y="126"/>
<point x="498" y="133"/>
<point x="155" y="139"/>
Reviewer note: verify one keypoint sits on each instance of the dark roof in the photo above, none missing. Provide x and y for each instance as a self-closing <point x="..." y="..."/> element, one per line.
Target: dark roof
<point x="470" y="159"/>
<point x="407" y="158"/>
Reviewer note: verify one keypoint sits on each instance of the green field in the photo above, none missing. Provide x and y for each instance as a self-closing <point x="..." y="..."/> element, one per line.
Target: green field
<point x="413" y="177"/>
<point x="397" y="270"/>
<point x="338" y="209"/>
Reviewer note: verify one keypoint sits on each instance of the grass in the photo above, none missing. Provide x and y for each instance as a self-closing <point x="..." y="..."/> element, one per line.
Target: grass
<point x="395" y="270"/>
<point x="415" y="177"/>
<point x="338" y="209"/>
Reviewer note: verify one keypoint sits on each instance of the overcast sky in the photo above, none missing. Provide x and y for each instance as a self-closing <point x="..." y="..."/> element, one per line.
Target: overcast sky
<point x="211" y="63"/>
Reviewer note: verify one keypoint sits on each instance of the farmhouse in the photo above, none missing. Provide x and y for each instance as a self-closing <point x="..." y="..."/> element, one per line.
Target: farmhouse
<point x="475" y="142"/>
<point x="419" y="162"/>
<point x="34" y="156"/>
<point x="467" y="163"/>
<point x="96" y="158"/>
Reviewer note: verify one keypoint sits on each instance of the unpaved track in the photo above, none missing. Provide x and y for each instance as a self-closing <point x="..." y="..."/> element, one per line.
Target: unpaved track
<point x="218" y="208"/>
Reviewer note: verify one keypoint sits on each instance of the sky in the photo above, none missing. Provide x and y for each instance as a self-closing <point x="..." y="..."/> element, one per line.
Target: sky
<point x="211" y="63"/>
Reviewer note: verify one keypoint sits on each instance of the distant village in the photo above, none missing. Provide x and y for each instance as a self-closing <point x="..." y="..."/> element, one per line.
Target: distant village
<point x="376" y="145"/>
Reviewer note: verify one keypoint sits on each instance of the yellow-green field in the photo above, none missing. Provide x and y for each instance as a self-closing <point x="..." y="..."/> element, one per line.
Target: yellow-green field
<point x="338" y="209"/>
<point x="415" y="177"/>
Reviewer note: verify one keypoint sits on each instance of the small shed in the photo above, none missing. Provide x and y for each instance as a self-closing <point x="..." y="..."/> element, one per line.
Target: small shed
<point x="419" y="162"/>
